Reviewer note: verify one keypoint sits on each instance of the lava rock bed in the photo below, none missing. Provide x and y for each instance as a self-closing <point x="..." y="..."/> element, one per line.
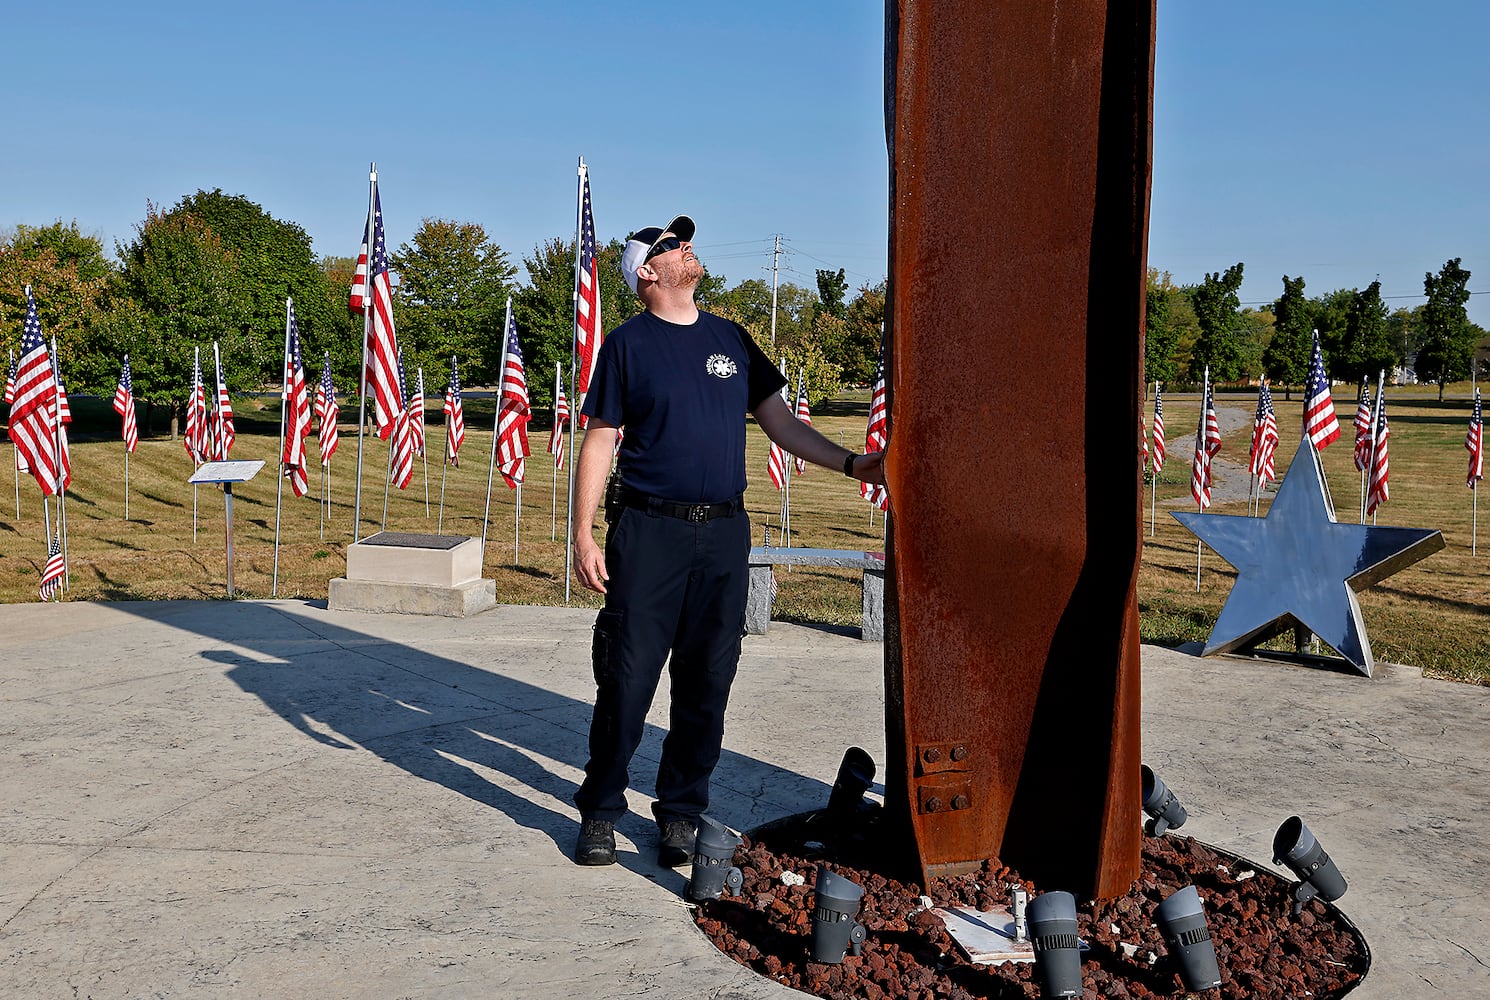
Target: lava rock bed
<point x="1263" y="949"/>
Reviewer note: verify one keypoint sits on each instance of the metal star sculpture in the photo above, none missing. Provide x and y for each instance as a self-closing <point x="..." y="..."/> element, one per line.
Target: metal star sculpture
<point x="1299" y="567"/>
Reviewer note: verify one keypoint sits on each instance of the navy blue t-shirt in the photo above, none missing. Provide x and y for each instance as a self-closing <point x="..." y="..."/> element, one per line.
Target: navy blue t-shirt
<point x="681" y="394"/>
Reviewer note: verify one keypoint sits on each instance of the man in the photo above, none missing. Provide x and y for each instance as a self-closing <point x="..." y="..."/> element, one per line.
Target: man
<point x="674" y="570"/>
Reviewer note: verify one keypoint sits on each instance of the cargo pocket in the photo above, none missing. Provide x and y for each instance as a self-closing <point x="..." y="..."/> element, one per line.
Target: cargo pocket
<point x="605" y="648"/>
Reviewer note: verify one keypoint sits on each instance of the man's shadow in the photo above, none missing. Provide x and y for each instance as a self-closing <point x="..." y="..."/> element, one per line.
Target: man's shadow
<point x="476" y="731"/>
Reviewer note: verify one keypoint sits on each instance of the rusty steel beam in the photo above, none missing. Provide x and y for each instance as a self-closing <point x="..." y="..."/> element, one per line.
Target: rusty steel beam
<point x="1020" y="158"/>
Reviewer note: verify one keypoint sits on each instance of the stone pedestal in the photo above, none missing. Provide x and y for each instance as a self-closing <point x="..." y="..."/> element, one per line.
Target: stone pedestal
<point x="411" y="574"/>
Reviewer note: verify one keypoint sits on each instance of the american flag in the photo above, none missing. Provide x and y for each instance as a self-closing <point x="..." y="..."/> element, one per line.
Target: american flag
<point x="455" y="416"/>
<point x="124" y="405"/>
<point x="327" y="412"/>
<point x="1143" y="444"/>
<point x="561" y="420"/>
<point x="10" y="380"/>
<point x="802" y="412"/>
<point x="401" y="454"/>
<point x="876" y="435"/>
<point x="587" y="327"/>
<point x="1158" y="430"/>
<point x="383" y="359"/>
<point x="1377" y="493"/>
<point x="358" y="301"/>
<point x="1264" y="436"/>
<point x="416" y="412"/>
<point x="1363" y="429"/>
<point x="195" y="439"/>
<point x="54" y="571"/>
<point x="514" y="414"/>
<point x="294" y="457"/>
<point x="222" y="432"/>
<point x="1474" y="443"/>
<point x="1207" y="444"/>
<point x="1320" y="425"/>
<point x="31" y="416"/>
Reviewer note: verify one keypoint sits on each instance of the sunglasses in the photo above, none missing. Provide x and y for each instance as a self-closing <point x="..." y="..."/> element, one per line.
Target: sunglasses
<point x="665" y="245"/>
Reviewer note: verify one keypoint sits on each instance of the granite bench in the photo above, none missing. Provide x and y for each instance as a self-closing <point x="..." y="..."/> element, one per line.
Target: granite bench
<point x="758" y="604"/>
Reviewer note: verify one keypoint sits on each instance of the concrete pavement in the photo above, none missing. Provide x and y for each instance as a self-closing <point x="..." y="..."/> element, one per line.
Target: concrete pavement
<point x="272" y="799"/>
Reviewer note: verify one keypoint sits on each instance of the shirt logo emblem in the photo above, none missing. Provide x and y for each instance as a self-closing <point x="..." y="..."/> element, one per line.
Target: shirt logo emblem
<point x="721" y="365"/>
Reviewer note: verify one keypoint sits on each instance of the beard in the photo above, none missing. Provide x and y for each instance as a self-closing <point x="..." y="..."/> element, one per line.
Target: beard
<point x="685" y="272"/>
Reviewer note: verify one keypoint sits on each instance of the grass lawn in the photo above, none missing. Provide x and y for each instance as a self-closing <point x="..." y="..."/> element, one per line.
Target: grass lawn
<point x="1435" y="615"/>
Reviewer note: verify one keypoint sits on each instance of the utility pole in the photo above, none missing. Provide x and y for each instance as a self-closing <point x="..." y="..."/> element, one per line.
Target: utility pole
<point x="775" y="258"/>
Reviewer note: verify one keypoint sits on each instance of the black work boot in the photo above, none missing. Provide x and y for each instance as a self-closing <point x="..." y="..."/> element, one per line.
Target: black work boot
<point x="675" y="845"/>
<point x="597" y="843"/>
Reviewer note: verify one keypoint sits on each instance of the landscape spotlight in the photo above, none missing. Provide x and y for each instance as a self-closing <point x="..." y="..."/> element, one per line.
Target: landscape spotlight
<point x="855" y="775"/>
<point x="1052" y="918"/>
<point x="1160" y="803"/>
<point x="835" y="904"/>
<point x="713" y="849"/>
<point x="1181" y="920"/>
<point x="1295" y="846"/>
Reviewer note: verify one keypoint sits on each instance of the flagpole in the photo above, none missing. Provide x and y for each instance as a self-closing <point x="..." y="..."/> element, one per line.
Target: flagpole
<point x="321" y="506"/>
<point x="1365" y="471"/>
<point x="1376" y="425"/>
<point x="517" y="515"/>
<point x="126" y="445"/>
<point x="445" y="457"/>
<point x="372" y="193"/>
<point x="1205" y="394"/>
<point x="423" y="441"/>
<point x="574" y="403"/>
<point x="496" y="422"/>
<point x="279" y="490"/>
<point x="46" y="528"/>
<point x="17" y="456"/>
<point x="196" y="387"/>
<point x="388" y="478"/>
<point x="1154" y="486"/>
<point x="553" y="514"/>
<point x="61" y="467"/>
<point x="444" y="471"/>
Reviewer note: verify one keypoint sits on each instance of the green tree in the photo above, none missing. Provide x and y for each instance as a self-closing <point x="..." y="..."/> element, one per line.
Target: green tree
<point x="544" y="312"/>
<point x="1254" y="332"/>
<point x="70" y="279"/>
<point x="1448" y="338"/>
<point x="1161" y="330"/>
<point x="274" y="261"/>
<point x="1286" y="358"/>
<point x="831" y="289"/>
<point x="1331" y="314"/>
<point x="1402" y="330"/>
<point x="807" y="355"/>
<point x="864" y="319"/>
<point x="453" y="288"/>
<point x="186" y="291"/>
<point x="1366" y="347"/>
<point x="1216" y="303"/>
<point x="749" y="303"/>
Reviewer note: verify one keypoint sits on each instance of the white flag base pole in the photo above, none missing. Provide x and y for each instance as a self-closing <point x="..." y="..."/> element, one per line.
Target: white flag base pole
<point x="1198" y="547"/>
<point x="444" y="472"/>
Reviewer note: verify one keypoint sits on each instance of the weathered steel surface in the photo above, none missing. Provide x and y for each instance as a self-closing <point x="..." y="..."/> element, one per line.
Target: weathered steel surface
<point x="1020" y="156"/>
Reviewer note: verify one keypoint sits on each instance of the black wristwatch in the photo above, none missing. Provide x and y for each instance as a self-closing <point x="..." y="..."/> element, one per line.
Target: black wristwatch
<point x="848" y="465"/>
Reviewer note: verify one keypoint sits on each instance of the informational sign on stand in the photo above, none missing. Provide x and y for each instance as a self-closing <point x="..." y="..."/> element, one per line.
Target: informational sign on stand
<point x="226" y="474"/>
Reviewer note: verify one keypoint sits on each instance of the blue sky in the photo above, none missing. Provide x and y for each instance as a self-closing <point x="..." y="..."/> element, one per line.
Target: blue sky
<point x="1337" y="141"/>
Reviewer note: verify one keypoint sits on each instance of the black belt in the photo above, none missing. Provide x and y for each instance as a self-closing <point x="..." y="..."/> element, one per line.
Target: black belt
<point x="683" y="511"/>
